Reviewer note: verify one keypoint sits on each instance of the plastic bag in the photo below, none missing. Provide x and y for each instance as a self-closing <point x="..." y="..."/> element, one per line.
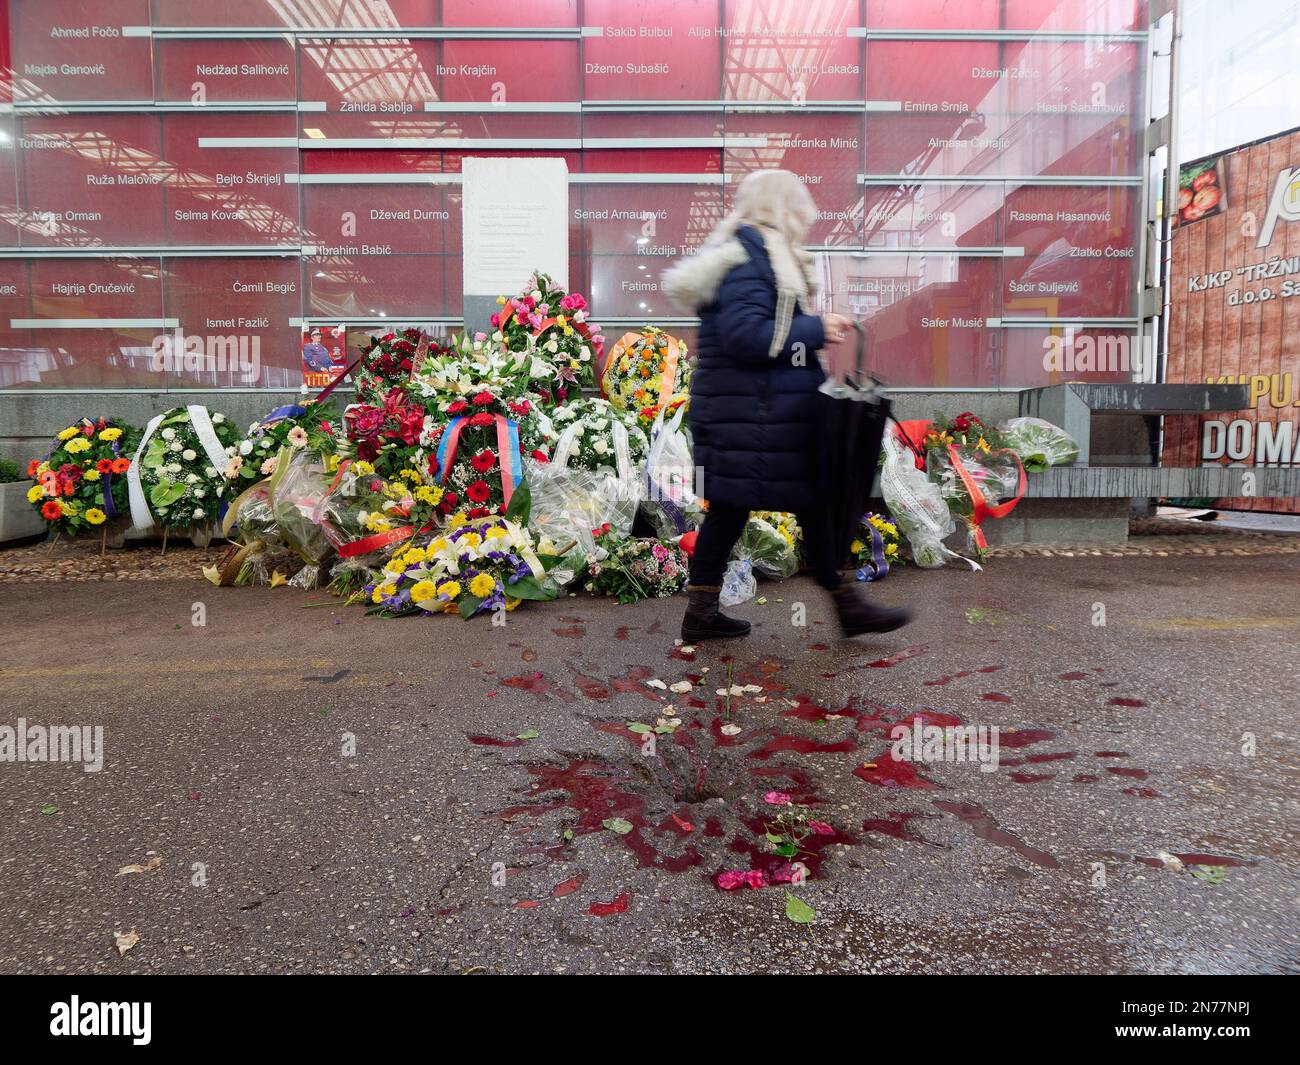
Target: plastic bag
<point x="738" y="584"/>
<point x="568" y="505"/>
<point x="917" y="505"/>
<point x="772" y="555"/>
<point x="1039" y="443"/>
<point x="670" y="505"/>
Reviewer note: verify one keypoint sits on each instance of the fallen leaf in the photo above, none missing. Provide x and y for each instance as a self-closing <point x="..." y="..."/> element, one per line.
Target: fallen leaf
<point x="797" y="910"/>
<point x="681" y="686"/>
<point x="730" y="729"/>
<point x="213" y="573"/>
<point x="655" y="682"/>
<point x="125" y="941"/>
<point x="531" y="734"/>
<point x="617" y="824"/>
<point x="278" y="578"/>
<point x="1170" y="861"/>
<point x="128" y="869"/>
<point x="49" y="808"/>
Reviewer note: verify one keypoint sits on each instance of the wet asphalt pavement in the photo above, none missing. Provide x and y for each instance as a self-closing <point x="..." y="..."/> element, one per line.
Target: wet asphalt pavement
<point x="328" y="792"/>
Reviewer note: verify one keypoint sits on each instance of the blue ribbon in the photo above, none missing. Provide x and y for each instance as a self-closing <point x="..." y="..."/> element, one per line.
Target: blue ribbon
<point x="516" y="464"/>
<point x="291" y="410"/>
<point x="447" y="435"/>
<point x="877" y="569"/>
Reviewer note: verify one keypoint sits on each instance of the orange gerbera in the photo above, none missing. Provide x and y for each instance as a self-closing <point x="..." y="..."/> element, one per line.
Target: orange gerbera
<point x="51" y="510"/>
<point x="121" y="465"/>
<point x="32" y="467"/>
<point x="104" y="465"/>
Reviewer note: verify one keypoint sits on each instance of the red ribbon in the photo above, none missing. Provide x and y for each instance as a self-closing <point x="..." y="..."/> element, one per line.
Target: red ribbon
<point x="983" y="509"/>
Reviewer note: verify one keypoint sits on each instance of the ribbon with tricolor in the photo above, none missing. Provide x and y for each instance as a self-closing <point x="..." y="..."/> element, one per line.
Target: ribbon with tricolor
<point x="508" y="457"/>
<point x="667" y="377"/>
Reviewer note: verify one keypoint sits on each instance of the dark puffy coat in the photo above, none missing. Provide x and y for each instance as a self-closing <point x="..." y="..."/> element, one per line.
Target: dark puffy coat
<point x="752" y="416"/>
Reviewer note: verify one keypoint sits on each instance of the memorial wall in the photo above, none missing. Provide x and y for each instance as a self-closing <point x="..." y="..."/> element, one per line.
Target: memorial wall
<point x="240" y="169"/>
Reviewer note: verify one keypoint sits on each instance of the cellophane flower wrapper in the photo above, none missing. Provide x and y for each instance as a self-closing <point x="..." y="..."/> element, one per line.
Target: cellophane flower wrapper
<point x="589" y="425"/>
<point x="387" y="361"/>
<point x="309" y="427"/>
<point x="469" y="567"/>
<point x="1039" y="443"/>
<point x="568" y="505"/>
<point x="181" y="486"/>
<point x="994" y="472"/>
<point x="634" y="568"/>
<point x="860" y="549"/>
<point x="738" y="583"/>
<point x="772" y="555"/>
<point x="670" y="504"/>
<point x="81" y="484"/>
<point x="295" y="497"/>
<point x="917" y="505"/>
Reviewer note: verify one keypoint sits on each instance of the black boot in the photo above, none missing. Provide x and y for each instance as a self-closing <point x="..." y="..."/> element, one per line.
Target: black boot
<point x="858" y="614"/>
<point x="704" y="621"/>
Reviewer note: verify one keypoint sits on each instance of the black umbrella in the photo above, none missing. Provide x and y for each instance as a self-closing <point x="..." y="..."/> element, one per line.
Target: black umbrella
<point x="852" y="417"/>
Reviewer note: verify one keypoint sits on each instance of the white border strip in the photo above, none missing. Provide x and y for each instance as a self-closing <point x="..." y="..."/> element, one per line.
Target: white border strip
<point x="997" y="179"/>
<point x="1053" y="323"/>
<point x="94" y="323"/>
<point x="985" y="251"/>
<point x="456" y="178"/>
<point x="995" y="35"/>
<point x="151" y="251"/>
<point x="386" y="33"/>
<point x="249" y="142"/>
<point x="455" y="107"/>
<point x="446" y="144"/>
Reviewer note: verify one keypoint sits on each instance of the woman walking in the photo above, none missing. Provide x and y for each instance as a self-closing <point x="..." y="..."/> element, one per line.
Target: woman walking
<point x="754" y="395"/>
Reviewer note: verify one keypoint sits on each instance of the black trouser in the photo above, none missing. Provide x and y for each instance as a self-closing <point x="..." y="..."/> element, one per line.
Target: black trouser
<point x="722" y="528"/>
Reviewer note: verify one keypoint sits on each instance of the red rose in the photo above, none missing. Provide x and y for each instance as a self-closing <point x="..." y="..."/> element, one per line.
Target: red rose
<point x="541" y="456"/>
<point x="479" y="512"/>
<point x="495" y="320"/>
<point x="478" y="491"/>
<point x="484" y="460"/>
<point x="459" y="407"/>
<point x="481" y="419"/>
<point x="484" y="399"/>
<point x="449" y="501"/>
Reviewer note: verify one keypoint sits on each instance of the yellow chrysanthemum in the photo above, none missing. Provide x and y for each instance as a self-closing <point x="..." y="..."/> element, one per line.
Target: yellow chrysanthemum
<point x="364" y="468"/>
<point x="414" y="556"/>
<point x="332" y="463"/>
<point x="75" y="447"/>
<point x="422" y="590"/>
<point x="512" y="603"/>
<point x="111" y="434"/>
<point x="34" y="493"/>
<point x="855" y="547"/>
<point x="482" y="585"/>
<point x="397" y="566"/>
<point x="69" y="432"/>
<point x="435" y="546"/>
<point x="96" y="516"/>
<point x="451" y="589"/>
<point x="91" y="474"/>
<point x="456" y="521"/>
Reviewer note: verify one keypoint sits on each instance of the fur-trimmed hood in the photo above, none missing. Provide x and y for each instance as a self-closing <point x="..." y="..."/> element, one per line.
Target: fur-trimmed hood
<point x="692" y="283"/>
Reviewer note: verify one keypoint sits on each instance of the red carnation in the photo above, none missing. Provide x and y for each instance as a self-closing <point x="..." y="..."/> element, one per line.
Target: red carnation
<point x="459" y="407"/>
<point x="521" y="408"/>
<point x="484" y="460"/>
<point x="433" y="466"/>
<point x="479" y="512"/>
<point x="478" y="491"/>
<point x="481" y="419"/>
<point x="541" y="456"/>
<point x="484" y="399"/>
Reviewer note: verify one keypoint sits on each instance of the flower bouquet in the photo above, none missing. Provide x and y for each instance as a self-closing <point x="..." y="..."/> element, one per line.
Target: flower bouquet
<point x="594" y="434"/>
<point x="1039" y="443"/>
<point x="388" y="433"/>
<point x="367" y="517"/>
<point x="631" y="568"/>
<point x="974" y="469"/>
<point x="546" y="320"/>
<point x="82" y="484"/>
<point x="469" y="568"/>
<point x="389" y="360"/>
<point x="181" y="467"/>
<point x="769" y="542"/>
<point x="875" y="547"/>
<point x="645" y="370"/>
<point x="310" y="427"/>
